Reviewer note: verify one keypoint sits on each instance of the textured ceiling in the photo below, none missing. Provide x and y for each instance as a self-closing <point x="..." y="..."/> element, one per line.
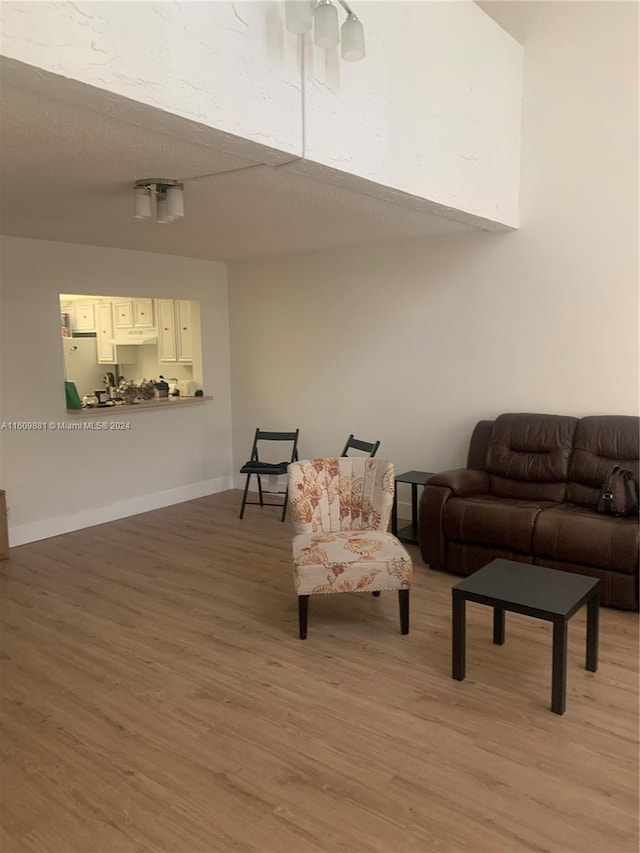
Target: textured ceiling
<point x="69" y="159"/>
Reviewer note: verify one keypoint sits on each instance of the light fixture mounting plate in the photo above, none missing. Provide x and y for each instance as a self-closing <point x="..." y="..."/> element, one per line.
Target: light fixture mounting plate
<point x="158" y="184"/>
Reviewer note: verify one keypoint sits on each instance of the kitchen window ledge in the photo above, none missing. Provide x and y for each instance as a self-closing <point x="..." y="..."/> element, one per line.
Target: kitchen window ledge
<point x="145" y="405"/>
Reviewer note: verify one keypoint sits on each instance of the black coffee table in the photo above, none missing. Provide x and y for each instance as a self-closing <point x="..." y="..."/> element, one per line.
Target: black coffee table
<point x="534" y="591"/>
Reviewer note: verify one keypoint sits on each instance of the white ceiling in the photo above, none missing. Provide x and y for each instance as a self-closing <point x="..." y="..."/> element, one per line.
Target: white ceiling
<point x="70" y="155"/>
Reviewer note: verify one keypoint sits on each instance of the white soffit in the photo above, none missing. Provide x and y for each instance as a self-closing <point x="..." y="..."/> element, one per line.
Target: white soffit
<point x="70" y="154"/>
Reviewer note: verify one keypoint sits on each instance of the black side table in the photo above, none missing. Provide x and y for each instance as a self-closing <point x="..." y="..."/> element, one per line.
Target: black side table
<point x="547" y="594"/>
<point x="415" y="478"/>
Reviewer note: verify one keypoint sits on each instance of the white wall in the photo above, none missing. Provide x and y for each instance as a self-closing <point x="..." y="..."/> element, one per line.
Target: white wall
<point x="433" y="110"/>
<point x="197" y="60"/>
<point x="432" y="113"/>
<point x="62" y="480"/>
<point x="413" y="343"/>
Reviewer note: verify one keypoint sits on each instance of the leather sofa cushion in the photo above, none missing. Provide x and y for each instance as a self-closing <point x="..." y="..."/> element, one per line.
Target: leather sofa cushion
<point x="487" y="520"/>
<point x="502" y="487"/>
<point x="574" y="534"/>
<point x="529" y="454"/>
<point x="600" y="443"/>
<point x="465" y="559"/>
<point x="616" y="588"/>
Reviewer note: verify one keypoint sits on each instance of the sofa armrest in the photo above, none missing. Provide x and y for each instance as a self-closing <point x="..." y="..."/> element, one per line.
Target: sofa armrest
<point x="430" y="533"/>
<point x="462" y="481"/>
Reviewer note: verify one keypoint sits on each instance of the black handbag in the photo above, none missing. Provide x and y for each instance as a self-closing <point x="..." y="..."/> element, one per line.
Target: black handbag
<point x="619" y="493"/>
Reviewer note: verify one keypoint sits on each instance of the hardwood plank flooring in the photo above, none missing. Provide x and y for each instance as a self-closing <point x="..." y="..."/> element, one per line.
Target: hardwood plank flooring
<point x="156" y="699"/>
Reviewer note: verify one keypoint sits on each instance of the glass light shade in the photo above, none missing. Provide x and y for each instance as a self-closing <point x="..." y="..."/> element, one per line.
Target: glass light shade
<point x="162" y="211"/>
<point x="175" y="202"/>
<point x="352" y="40"/>
<point x="141" y="203"/>
<point x="298" y="16"/>
<point x="325" y="25"/>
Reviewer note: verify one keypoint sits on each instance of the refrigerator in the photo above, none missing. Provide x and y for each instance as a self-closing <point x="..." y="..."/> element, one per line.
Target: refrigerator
<point x="81" y="364"/>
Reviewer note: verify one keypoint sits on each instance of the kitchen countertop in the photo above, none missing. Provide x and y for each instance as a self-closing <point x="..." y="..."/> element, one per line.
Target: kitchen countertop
<point x="121" y="408"/>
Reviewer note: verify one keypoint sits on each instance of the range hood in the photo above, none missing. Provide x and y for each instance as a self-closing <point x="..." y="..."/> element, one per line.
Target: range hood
<point x="127" y="337"/>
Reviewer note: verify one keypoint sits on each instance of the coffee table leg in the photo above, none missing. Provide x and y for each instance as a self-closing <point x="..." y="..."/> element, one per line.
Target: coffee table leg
<point x="593" y="619"/>
<point x="458" y="657"/>
<point x="498" y="626"/>
<point x="559" y="669"/>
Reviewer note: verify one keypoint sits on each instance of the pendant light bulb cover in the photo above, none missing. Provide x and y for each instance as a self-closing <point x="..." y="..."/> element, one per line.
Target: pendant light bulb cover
<point x="325" y="25"/>
<point x="352" y="39"/>
<point x="175" y="202"/>
<point x="141" y="203"/>
<point x="162" y="211"/>
<point x="298" y="16"/>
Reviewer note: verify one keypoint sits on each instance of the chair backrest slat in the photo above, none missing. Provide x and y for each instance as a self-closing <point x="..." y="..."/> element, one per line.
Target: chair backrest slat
<point x="264" y="435"/>
<point x="370" y="447"/>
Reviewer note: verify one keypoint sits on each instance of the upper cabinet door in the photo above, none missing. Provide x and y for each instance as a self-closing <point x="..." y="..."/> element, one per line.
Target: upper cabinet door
<point x="183" y="328"/>
<point x="106" y="350"/>
<point x="166" y="330"/>
<point x="85" y="317"/>
<point x="143" y="313"/>
<point x="122" y="314"/>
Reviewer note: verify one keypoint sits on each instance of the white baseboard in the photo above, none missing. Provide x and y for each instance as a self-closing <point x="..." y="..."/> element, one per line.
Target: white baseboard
<point x="20" y="534"/>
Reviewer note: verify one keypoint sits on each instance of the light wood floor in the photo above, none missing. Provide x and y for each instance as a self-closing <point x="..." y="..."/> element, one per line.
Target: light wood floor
<point x="156" y="698"/>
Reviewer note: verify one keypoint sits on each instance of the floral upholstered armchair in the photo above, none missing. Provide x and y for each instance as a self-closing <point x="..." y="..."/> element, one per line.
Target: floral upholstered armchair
<point x="340" y="509"/>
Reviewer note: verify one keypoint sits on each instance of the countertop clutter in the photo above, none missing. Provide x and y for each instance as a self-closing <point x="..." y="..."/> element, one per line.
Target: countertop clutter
<point x="144" y="393"/>
<point x="130" y="392"/>
<point x="187" y="388"/>
<point x="156" y="403"/>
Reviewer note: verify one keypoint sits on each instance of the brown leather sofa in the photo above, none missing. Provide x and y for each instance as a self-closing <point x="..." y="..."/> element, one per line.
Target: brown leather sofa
<point x="528" y="494"/>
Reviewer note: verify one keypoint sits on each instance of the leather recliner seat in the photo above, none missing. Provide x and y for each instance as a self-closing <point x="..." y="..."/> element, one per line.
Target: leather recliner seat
<point x="528" y="495"/>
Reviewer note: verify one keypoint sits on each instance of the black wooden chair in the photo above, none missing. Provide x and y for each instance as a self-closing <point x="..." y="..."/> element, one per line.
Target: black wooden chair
<point x="261" y="469"/>
<point x="370" y="447"/>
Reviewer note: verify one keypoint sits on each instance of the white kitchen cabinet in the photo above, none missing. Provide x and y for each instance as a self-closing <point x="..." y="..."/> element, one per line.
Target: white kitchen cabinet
<point x="143" y="313"/>
<point x="106" y="350"/>
<point x="133" y="314"/>
<point x="84" y="317"/>
<point x="183" y="330"/>
<point x="166" y="330"/>
<point x="174" y="330"/>
<point x="122" y="314"/>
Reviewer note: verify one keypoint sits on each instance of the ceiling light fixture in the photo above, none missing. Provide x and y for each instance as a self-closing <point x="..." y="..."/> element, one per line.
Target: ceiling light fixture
<point x="302" y="15"/>
<point x="325" y="25"/>
<point x="167" y="195"/>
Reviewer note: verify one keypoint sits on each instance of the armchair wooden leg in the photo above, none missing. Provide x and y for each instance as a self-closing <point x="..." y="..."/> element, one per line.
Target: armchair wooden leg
<point x="376" y="593"/>
<point x="403" y="599"/>
<point x="303" y="608"/>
